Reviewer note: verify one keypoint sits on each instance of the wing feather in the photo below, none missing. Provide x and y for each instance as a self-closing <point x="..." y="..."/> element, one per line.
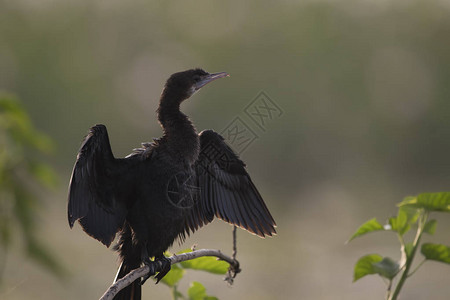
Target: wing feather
<point x="93" y="197"/>
<point x="226" y="190"/>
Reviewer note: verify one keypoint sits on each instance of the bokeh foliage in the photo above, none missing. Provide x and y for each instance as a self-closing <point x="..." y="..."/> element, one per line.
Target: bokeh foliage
<point x="20" y="170"/>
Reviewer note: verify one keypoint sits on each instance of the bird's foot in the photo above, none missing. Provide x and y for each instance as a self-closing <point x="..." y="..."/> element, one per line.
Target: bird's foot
<point x="163" y="264"/>
<point x="152" y="266"/>
<point x="165" y="267"/>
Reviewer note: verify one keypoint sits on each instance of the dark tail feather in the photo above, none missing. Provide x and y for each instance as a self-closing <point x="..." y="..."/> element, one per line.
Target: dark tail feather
<point x="130" y="256"/>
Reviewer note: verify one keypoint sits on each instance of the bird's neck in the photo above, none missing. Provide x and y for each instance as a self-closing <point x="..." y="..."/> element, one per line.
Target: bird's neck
<point x="179" y="132"/>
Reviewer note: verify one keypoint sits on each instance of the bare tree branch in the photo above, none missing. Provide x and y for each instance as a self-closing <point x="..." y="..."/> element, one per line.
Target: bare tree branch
<point x="231" y="274"/>
<point x="140" y="272"/>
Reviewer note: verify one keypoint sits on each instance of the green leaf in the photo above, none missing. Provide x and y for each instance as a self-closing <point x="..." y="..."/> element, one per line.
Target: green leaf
<point x="402" y="225"/>
<point x="405" y="218"/>
<point x="208" y="264"/>
<point x="198" y="292"/>
<point x="430" y="227"/>
<point x="393" y="224"/>
<point x="387" y="267"/>
<point x="175" y="274"/>
<point x="411" y="214"/>
<point x="369" y="226"/>
<point x="364" y="266"/>
<point x="409" y="198"/>
<point x="409" y="201"/>
<point x="429" y="201"/>
<point x="436" y="252"/>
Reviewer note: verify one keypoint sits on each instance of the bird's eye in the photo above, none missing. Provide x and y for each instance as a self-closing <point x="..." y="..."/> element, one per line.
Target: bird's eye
<point x="197" y="78"/>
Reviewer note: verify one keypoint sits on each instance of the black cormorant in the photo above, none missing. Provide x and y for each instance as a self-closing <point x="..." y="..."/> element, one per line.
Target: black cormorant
<point x="164" y="190"/>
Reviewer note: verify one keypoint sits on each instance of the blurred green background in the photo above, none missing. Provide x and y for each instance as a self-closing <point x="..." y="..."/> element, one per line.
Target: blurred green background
<point x="365" y="90"/>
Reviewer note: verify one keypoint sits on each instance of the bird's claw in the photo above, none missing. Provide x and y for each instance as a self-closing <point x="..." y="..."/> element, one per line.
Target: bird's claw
<point x="165" y="268"/>
<point x="152" y="271"/>
<point x="162" y="264"/>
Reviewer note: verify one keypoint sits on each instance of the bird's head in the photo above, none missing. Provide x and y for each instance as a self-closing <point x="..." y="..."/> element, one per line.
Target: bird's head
<point x="183" y="85"/>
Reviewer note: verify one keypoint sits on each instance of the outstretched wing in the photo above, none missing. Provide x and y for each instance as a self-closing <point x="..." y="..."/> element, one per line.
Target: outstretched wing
<point x="93" y="197"/>
<point x="226" y="190"/>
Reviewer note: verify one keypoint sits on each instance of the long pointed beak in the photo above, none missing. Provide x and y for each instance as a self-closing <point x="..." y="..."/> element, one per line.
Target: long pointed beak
<point x="209" y="78"/>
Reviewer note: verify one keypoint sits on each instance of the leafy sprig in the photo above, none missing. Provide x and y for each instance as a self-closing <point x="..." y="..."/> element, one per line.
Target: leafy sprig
<point x="413" y="213"/>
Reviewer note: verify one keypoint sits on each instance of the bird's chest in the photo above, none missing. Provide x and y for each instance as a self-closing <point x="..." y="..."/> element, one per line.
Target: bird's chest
<point x="184" y="149"/>
<point x="182" y="191"/>
<point x="159" y="215"/>
<point x="169" y="190"/>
